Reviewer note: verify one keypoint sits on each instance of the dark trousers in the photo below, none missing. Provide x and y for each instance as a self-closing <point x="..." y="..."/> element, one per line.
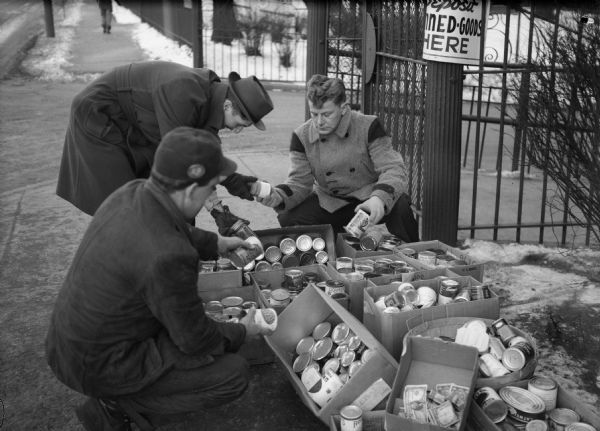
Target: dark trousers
<point x="400" y="222"/>
<point x="186" y="390"/>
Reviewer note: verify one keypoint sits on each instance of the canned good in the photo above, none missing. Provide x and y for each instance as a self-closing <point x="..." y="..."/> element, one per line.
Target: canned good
<point x="294" y="279"/>
<point x="266" y="293"/>
<point x="357" y="226"/>
<point x="322" y="349"/>
<point x="427" y="257"/>
<point x="260" y="189"/>
<point x="443" y="260"/>
<point x="340" y="333"/>
<point x="536" y="425"/>
<point x="363" y="268"/>
<point x="341" y="298"/>
<point x="332" y="364"/>
<point x="366" y="355"/>
<point x="277" y="265"/>
<point x="318" y="244"/>
<point x="287" y="246"/>
<point x="321" y="331"/>
<point x="321" y="256"/>
<point x="207" y="266"/>
<point x="213" y="307"/>
<point x="263" y="265"/>
<point x="304" y="242"/>
<point x="448" y="290"/>
<point x="250" y="266"/>
<point x="462" y="295"/>
<point x="301" y="362"/>
<point x="491" y="404"/>
<point x="501" y="329"/>
<point x="241" y="229"/>
<point x="351" y="418"/>
<point x="479" y="292"/>
<point x="289" y="261"/>
<point x="305" y="345"/>
<point x="307" y="258"/>
<point x="241" y="256"/>
<point x="410" y="252"/>
<point x="394" y="299"/>
<point x="517" y="339"/>
<point x="233" y="312"/>
<point x="334" y="286"/>
<point x="232" y="301"/>
<point x="560" y="418"/>
<point x="347" y="358"/>
<point x="518" y="355"/>
<point x="340" y="350"/>
<point x="370" y="239"/>
<point x="580" y="426"/>
<point x="354" y="367"/>
<point x="279" y="297"/>
<point x="344" y="262"/>
<point x="546" y="388"/>
<point x="491" y="366"/>
<point x="523" y="406"/>
<point x="496" y="348"/>
<point x="273" y="254"/>
<point x="224" y="264"/>
<point x="246" y="305"/>
<point x="311" y="277"/>
<point x="354" y="343"/>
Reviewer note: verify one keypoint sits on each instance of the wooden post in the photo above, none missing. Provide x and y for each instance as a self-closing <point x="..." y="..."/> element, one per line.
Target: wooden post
<point x="316" y="56"/>
<point x="49" y="18"/>
<point x="197" y="25"/>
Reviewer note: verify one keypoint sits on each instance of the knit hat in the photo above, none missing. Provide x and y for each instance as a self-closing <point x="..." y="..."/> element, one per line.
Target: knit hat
<point x="186" y="155"/>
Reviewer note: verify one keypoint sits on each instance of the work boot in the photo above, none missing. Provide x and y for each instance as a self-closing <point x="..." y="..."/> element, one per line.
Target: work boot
<point x="108" y="29"/>
<point x="103" y="28"/>
<point x="98" y="414"/>
<point x="225" y="219"/>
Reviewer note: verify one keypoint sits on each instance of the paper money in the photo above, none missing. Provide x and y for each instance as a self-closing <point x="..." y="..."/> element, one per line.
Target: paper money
<point x="444" y="415"/>
<point x="415" y="403"/>
<point x="444" y="389"/>
<point x="458" y="396"/>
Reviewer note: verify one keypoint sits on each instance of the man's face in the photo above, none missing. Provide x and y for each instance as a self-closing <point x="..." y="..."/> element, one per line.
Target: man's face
<point x="234" y="120"/>
<point x="326" y="118"/>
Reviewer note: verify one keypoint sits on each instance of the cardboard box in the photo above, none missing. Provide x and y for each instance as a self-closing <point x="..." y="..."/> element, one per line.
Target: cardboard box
<point x="274" y="236"/>
<point x="478" y="420"/>
<point x="390" y="328"/>
<point x="428" y="361"/>
<point x="255" y="351"/>
<point x="371" y="421"/>
<point x="472" y="268"/>
<point x="298" y="320"/>
<point x="219" y="279"/>
<point x="342" y="248"/>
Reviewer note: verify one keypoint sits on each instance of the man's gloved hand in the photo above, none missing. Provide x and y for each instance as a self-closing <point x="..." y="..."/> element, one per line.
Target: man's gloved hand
<point x="225" y="219"/>
<point x="239" y="185"/>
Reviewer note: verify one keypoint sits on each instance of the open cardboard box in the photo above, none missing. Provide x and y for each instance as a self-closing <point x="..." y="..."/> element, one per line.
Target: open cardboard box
<point x="219" y="279"/>
<point x="274" y="236"/>
<point x="479" y="421"/>
<point x="311" y="307"/>
<point x="255" y="351"/>
<point x="344" y="249"/>
<point x="371" y="421"/>
<point x="428" y="361"/>
<point x="472" y="268"/>
<point x="390" y="328"/>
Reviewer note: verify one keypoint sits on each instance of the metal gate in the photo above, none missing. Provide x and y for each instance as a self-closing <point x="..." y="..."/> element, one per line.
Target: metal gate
<point x="503" y="197"/>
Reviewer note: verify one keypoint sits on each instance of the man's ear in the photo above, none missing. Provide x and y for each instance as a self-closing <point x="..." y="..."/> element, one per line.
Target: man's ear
<point x="227" y="105"/>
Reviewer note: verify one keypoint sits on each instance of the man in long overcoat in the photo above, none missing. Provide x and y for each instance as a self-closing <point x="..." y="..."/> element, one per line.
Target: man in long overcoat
<point x="117" y="122"/>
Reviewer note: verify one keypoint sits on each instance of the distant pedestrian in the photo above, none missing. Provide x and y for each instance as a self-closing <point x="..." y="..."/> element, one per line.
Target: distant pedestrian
<point x="342" y="161"/>
<point x="117" y="122"/>
<point x="106" y="14"/>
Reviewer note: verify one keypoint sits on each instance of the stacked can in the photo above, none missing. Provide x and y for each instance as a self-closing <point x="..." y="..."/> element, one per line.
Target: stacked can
<point x="228" y="309"/>
<point x="518" y="350"/>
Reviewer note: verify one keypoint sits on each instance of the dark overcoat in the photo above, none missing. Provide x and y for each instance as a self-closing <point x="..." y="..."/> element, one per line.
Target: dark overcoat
<point x="128" y="310"/>
<point x="117" y="121"/>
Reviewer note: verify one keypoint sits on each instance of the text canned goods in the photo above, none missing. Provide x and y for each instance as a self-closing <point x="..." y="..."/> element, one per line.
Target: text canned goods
<point x="287" y="246"/>
<point x="546" y="388"/>
<point x="351" y="418"/>
<point x="304" y="242"/>
<point x="491" y="403"/>
<point x="518" y="355"/>
<point x="560" y="418"/>
<point x="357" y="226"/>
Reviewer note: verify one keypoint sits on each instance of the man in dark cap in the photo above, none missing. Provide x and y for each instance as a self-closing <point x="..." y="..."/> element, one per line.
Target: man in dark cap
<point x="118" y="120"/>
<point x="128" y="328"/>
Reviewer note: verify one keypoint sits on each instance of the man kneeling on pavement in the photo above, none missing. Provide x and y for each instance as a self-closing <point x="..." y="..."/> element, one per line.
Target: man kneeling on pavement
<point x="128" y="329"/>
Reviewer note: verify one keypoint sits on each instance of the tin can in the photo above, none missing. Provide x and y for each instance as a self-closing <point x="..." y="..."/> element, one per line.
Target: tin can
<point x="321" y="256"/>
<point x="213" y="307"/>
<point x="462" y="295"/>
<point x="394" y="299"/>
<point x="536" y="425"/>
<point x="580" y="426"/>
<point x="260" y="189"/>
<point x="443" y="260"/>
<point x="279" y="297"/>
<point x="546" y="388"/>
<point x="287" y="246"/>
<point x="240" y="257"/>
<point x="311" y="277"/>
<point x="340" y="333"/>
<point x="344" y="262"/>
<point x="321" y="331"/>
<point x="301" y="362"/>
<point x="427" y="257"/>
<point x="233" y="312"/>
<point x="448" y="290"/>
<point x="263" y="265"/>
<point x="334" y="286"/>
<point x="322" y="349"/>
<point x="367" y="354"/>
<point x="318" y="244"/>
<point x="518" y="355"/>
<point x="294" y="279"/>
<point x="371" y="239"/>
<point x="351" y="418"/>
<point x="517" y="339"/>
<point x="491" y="366"/>
<point x="290" y="260"/>
<point x="523" y="406"/>
<point x="246" y="305"/>
<point x="332" y="364"/>
<point x="340" y="350"/>
<point x="341" y="298"/>
<point x="357" y="226"/>
<point x="410" y="252"/>
<point x="479" y="292"/>
<point x="273" y="254"/>
<point x="307" y="258"/>
<point x="491" y="404"/>
<point x="232" y="301"/>
<point x="497" y="348"/>
<point x="560" y="418"/>
<point x="501" y="329"/>
<point x="363" y="268"/>
<point x="224" y="264"/>
<point x="304" y="242"/>
<point x="347" y="358"/>
<point x="305" y="345"/>
<point x="207" y="266"/>
<point x="277" y="265"/>
<point x="354" y="367"/>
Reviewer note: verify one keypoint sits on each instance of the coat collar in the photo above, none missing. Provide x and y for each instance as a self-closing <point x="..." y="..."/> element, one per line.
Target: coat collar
<point x="164" y="199"/>
<point x="341" y="131"/>
<point x="216" y="119"/>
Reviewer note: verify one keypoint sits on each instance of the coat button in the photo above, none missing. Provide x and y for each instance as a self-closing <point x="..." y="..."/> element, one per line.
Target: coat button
<point x="322" y="139"/>
<point x="352" y="169"/>
<point x="329" y="173"/>
<point x="335" y="192"/>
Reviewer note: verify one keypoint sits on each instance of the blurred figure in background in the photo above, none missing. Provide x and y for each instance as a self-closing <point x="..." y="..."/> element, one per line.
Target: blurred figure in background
<point x="106" y="14"/>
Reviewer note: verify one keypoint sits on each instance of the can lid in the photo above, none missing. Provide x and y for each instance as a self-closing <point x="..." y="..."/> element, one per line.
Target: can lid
<point x="232" y="301"/>
<point x="367" y="354"/>
<point x="368" y="243"/>
<point x="321" y="256"/>
<point x="307" y="258"/>
<point x="347" y="358"/>
<point x="318" y="244"/>
<point x="287" y="246"/>
<point x="304" y="242"/>
<point x="580" y="426"/>
<point x="522" y="399"/>
<point x="301" y="362"/>
<point x="289" y="261"/>
<point x="277" y="265"/>
<point x="354" y="367"/>
<point x="305" y="345"/>
<point x="340" y="333"/>
<point x="351" y="412"/>
<point x="332" y="364"/>
<point x="513" y="359"/>
<point x="322" y="348"/>
<point x="322" y="330"/>
<point x="543" y="383"/>
<point x="273" y="253"/>
<point x="563" y="416"/>
<point x="262" y="265"/>
<point x="536" y="425"/>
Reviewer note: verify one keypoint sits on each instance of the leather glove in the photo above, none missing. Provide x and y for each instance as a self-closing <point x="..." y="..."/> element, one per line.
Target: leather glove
<point x="239" y="185"/>
<point x="225" y="219"/>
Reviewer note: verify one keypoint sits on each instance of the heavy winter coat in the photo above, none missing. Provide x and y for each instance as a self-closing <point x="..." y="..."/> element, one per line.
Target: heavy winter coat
<point x="117" y="121"/>
<point x="128" y="309"/>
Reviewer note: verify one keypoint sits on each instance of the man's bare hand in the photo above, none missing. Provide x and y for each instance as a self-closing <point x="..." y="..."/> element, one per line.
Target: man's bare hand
<point x="274" y="199"/>
<point x="375" y="207"/>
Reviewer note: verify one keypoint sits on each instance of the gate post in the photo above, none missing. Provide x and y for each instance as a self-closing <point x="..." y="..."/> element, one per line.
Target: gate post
<point x="197" y="26"/>
<point x="441" y="152"/>
<point x="316" y="41"/>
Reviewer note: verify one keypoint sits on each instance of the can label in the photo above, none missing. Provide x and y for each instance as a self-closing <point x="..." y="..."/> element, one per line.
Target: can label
<point x="358" y="225"/>
<point x="334" y="286"/>
<point x="503" y="331"/>
<point x="518" y="355"/>
<point x="491" y="403"/>
<point x="351" y="418"/>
